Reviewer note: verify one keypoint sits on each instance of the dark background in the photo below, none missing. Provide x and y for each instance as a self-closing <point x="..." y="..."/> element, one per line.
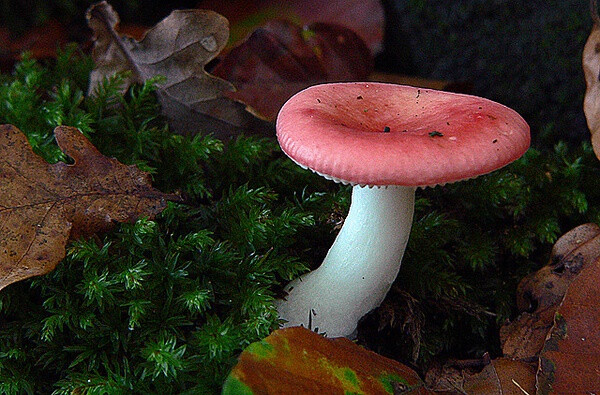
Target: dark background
<point x="525" y="54"/>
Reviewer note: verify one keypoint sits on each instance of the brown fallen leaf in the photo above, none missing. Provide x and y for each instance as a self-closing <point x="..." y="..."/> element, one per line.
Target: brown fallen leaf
<point x="554" y="345"/>
<point x="298" y="361"/>
<point x="524" y="337"/>
<point x="571" y="243"/>
<point x="44" y="205"/>
<point x="282" y="58"/>
<point x="570" y="359"/>
<point x="448" y="377"/>
<point x="539" y="294"/>
<point x="178" y="48"/>
<point x="502" y="376"/>
<point x="591" y="71"/>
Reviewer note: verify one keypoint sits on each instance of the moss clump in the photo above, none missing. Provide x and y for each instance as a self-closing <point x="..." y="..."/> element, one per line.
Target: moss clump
<point x="163" y="305"/>
<point x="167" y="305"/>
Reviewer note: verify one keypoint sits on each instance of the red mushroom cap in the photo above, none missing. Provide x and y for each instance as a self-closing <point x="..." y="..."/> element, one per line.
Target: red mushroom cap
<point x="384" y="134"/>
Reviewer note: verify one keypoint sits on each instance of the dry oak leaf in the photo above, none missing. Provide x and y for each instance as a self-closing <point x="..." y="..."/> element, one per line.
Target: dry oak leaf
<point x="177" y="48"/>
<point x="43" y="205"/>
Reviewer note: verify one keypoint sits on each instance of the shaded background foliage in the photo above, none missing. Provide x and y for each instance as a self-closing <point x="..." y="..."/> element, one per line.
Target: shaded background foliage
<point x="255" y="219"/>
<point x="525" y="54"/>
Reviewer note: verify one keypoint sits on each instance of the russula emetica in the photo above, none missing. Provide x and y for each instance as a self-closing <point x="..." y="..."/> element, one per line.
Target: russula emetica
<point x="385" y="140"/>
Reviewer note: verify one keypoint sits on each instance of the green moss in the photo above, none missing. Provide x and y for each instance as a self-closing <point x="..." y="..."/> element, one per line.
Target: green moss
<point x="155" y="306"/>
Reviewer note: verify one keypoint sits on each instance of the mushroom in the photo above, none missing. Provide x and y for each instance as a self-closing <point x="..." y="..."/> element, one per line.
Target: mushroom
<point x="385" y="140"/>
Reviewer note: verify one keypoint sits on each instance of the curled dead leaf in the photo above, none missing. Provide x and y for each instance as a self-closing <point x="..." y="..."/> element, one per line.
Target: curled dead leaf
<point x="282" y="58"/>
<point x="177" y="48"/>
<point x="540" y="293"/>
<point x="44" y="205"/>
<point x="591" y="71"/>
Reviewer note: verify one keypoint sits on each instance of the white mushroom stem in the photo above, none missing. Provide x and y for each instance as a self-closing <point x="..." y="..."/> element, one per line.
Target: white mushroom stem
<point x="359" y="268"/>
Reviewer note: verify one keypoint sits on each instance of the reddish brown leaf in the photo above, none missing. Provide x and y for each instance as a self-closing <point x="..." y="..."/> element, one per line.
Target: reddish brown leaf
<point x="524" y="337"/>
<point x="44" y="205"/>
<point x="342" y="53"/>
<point x="365" y="17"/>
<point x="177" y="48"/>
<point x="570" y="359"/>
<point x="298" y="361"/>
<point x="540" y="293"/>
<point x="281" y="58"/>
<point x="41" y="42"/>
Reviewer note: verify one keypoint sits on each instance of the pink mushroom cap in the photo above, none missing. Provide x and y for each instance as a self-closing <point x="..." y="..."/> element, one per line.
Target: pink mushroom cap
<point x="380" y="134"/>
